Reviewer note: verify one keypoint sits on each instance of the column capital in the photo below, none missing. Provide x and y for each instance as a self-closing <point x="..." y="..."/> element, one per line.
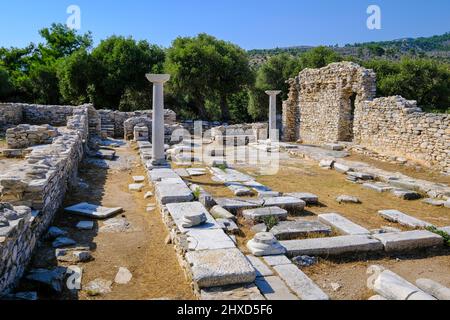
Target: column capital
<point x="158" y="78"/>
<point x="273" y="92"/>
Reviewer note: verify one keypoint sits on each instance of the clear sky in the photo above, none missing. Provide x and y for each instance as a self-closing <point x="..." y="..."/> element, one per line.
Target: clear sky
<point x="249" y="23"/>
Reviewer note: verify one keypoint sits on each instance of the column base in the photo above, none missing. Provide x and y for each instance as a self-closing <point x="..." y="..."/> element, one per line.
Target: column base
<point x="157" y="164"/>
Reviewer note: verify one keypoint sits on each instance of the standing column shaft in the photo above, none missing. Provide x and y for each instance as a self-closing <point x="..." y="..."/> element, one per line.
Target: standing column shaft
<point x="158" y="154"/>
<point x="273" y="133"/>
<point x="158" y="123"/>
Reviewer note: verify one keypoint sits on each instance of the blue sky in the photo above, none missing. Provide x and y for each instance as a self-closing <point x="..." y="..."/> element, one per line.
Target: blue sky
<point x="249" y="23"/>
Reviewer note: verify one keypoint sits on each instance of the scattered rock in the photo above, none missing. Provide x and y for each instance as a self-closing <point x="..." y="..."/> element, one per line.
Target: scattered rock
<point x="305" y="261"/>
<point x="220" y="213"/>
<point x="73" y="255"/>
<point x="63" y="242"/>
<point x="335" y="286"/>
<point x="50" y="278"/>
<point x="115" y="225"/>
<point x="98" y="287"/>
<point x="123" y="276"/>
<point x="55" y="232"/>
<point x="265" y="244"/>
<point x="193" y="219"/>
<point x="348" y="199"/>
<point x="148" y="195"/>
<point x="137" y="187"/>
<point x="85" y="225"/>
<point x="138" y="179"/>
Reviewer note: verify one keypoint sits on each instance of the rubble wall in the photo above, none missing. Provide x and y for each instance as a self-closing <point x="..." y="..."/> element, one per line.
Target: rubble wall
<point x="40" y="185"/>
<point x="10" y="114"/>
<point x="397" y="127"/>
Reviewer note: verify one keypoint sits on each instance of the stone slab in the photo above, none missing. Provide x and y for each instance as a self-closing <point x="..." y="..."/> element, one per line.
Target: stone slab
<point x="262" y="270"/>
<point x="378" y="187"/>
<point x="248" y="292"/>
<point x="178" y="210"/>
<point x="234" y="205"/>
<point x="342" y="168"/>
<point x="257" y="186"/>
<point x="182" y="173"/>
<point x="92" y="211"/>
<point x="403" y="219"/>
<point x="445" y="229"/>
<point x="273" y="288"/>
<point x="309" y="198"/>
<point x="287" y="230"/>
<point x="85" y="225"/>
<point x="342" y="224"/>
<point x="277" y="260"/>
<point x="257" y="215"/>
<point x="285" y="203"/>
<point x="214" y="268"/>
<point x="300" y="283"/>
<point x="239" y="189"/>
<point x="159" y="174"/>
<point x="406" y="194"/>
<point x="434" y="202"/>
<point x="208" y="239"/>
<point x="167" y="192"/>
<point x="332" y="246"/>
<point x="409" y="240"/>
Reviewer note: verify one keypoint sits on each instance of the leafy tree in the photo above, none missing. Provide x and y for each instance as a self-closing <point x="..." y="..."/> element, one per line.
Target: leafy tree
<point x="6" y="87"/>
<point x="319" y="57"/>
<point x="120" y="64"/>
<point x="75" y="73"/>
<point x="60" y="41"/>
<point x="204" y="66"/>
<point x="424" y="80"/>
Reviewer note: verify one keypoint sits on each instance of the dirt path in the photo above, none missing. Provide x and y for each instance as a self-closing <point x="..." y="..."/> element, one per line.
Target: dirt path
<point x="142" y="250"/>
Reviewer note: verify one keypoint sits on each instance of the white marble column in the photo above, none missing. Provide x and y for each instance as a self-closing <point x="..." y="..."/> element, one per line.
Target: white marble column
<point x="158" y="154"/>
<point x="273" y="136"/>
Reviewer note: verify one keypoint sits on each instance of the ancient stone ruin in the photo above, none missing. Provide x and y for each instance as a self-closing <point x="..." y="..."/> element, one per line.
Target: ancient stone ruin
<point x="343" y="94"/>
<point x="234" y="229"/>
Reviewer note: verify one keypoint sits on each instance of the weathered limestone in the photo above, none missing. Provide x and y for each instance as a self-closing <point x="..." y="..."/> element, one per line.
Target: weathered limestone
<point x="287" y="230"/>
<point x="332" y="246"/>
<point x="85" y="225"/>
<point x="173" y="192"/>
<point x="276" y="260"/>
<point x="265" y="244"/>
<point x="123" y="276"/>
<point x="213" y="268"/>
<point x="258" y="215"/>
<point x="158" y="80"/>
<point x="92" y="211"/>
<point x="403" y="219"/>
<point x="309" y="198"/>
<point x="157" y="175"/>
<point x="247" y="292"/>
<point x="285" y="203"/>
<point x="406" y="194"/>
<point x="239" y="189"/>
<point x="378" y="187"/>
<point x="348" y="199"/>
<point x="220" y="213"/>
<point x="299" y="282"/>
<point x="141" y="133"/>
<point x="410" y="240"/>
<point x="342" y="224"/>
<point x="434" y="289"/>
<point x="273" y="288"/>
<point x="179" y="210"/>
<point x="273" y="133"/>
<point x="393" y="287"/>
<point x="193" y="219"/>
<point x="262" y="270"/>
<point x="235" y="205"/>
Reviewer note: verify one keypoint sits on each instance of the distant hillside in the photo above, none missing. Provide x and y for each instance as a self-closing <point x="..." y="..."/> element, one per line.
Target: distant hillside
<point x="435" y="46"/>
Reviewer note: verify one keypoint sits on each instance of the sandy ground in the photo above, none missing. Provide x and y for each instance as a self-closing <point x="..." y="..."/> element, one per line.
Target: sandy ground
<point x="154" y="265"/>
<point x="298" y="175"/>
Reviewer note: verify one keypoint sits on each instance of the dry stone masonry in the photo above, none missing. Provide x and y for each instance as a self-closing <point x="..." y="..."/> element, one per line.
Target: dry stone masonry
<point x="343" y="94"/>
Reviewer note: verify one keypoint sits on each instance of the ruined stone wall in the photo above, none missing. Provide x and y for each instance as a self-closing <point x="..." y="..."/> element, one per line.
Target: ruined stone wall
<point x="319" y="108"/>
<point x="40" y="184"/>
<point x="25" y="135"/>
<point x="10" y="114"/>
<point x="394" y="126"/>
<point x="46" y="114"/>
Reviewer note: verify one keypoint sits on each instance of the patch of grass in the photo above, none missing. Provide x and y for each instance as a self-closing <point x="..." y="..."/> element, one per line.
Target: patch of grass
<point x="221" y="167"/>
<point x="197" y="193"/>
<point x="441" y="233"/>
<point x="270" y="222"/>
